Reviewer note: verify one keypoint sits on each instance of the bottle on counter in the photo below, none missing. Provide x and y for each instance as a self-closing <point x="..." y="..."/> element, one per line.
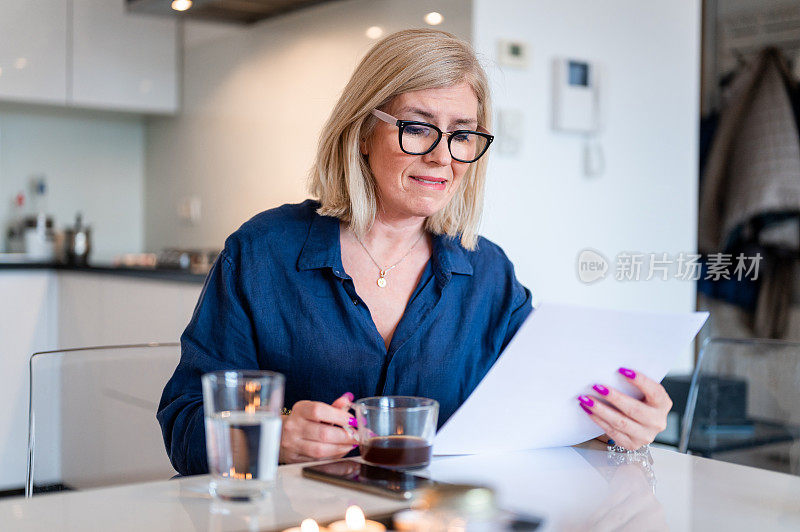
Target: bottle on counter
<point x="38" y="234"/>
<point x="15" y="242"/>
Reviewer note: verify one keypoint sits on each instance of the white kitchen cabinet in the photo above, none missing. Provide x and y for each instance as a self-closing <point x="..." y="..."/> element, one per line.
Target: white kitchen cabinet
<point x="33" y="51"/>
<point x="123" y="61"/>
<point x="88" y="53"/>
<point x="107" y="309"/>
<point x="28" y="323"/>
<point x="44" y="310"/>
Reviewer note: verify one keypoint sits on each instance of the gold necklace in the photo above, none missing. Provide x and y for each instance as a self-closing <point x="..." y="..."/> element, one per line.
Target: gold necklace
<point x="383" y="271"/>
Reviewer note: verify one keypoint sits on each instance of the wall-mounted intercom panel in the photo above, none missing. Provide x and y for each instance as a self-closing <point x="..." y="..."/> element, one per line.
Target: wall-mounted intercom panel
<point x="575" y="96"/>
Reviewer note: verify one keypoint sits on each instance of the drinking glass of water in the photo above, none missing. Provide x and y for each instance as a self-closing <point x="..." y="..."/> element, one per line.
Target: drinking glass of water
<point x="397" y="431"/>
<point x="243" y="431"/>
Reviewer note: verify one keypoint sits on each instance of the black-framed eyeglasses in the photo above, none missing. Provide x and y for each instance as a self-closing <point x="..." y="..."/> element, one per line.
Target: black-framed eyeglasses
<point x="419" y="138"/>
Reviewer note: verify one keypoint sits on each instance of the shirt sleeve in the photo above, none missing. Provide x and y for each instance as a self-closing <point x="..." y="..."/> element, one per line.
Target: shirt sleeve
<point x="219" y="336"/>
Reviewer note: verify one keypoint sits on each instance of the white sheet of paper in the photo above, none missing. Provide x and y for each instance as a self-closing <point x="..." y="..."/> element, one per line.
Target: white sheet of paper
<point x="528" y="399"/>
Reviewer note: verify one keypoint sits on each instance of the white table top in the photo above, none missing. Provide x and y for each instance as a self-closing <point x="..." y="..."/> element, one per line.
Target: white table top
<point x="571" y="488"/>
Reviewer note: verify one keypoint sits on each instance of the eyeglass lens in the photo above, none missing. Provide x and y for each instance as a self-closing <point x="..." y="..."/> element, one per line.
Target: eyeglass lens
<point x="418" y="139"/>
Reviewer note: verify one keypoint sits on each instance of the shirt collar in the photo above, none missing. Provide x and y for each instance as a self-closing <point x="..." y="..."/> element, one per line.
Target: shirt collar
<point x="322" y="250"/>
<point x="449" y="256"/>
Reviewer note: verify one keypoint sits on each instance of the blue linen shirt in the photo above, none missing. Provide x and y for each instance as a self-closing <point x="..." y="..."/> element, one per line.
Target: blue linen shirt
<point x="278" y="298"/>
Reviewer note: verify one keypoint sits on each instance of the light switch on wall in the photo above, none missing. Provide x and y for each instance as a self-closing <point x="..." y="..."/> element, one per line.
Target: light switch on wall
<point x="512" y="53"/>
<point x="189" y="209"/>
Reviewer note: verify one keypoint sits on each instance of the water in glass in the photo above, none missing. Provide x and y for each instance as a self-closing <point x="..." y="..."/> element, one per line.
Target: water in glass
<point x="243" y="452"/>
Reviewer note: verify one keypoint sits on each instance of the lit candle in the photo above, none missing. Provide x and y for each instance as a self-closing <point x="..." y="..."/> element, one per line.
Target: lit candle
<point x="354" y="521"/>
<point x="308" y="525"/>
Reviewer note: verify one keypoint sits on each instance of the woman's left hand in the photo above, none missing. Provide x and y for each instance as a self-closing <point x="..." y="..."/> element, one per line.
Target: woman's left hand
<point x="630" y="422"/>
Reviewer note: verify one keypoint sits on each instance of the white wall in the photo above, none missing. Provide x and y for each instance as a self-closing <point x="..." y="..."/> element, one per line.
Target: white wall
<point x="254" y="101"/>
<point x="93" y="161"/>
<point x="540" y="207"/>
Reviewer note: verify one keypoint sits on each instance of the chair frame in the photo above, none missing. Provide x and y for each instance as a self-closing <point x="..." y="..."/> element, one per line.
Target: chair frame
<point x="691" y="401"/>
<point x="32" y="413"/>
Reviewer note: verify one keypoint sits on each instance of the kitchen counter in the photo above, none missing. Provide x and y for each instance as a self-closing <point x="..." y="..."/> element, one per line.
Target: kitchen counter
<point x="176" y="275"/>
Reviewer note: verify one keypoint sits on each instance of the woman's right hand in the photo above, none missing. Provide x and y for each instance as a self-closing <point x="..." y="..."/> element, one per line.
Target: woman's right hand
<point x="316" y="431"/>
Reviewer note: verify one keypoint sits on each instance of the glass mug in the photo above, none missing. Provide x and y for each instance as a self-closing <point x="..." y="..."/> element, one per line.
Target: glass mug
<point x="243" y="431"/>
<point x="396" y="431"/>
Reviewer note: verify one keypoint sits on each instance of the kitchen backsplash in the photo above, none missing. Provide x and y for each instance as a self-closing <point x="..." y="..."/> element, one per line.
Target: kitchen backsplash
<point x="93" y="163"/>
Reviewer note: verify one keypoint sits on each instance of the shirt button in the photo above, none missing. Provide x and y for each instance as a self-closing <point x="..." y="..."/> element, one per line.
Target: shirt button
<point x="355" y="301"/>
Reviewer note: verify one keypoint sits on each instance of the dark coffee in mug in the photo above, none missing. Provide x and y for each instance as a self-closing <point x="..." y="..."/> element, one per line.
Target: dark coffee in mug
<point x="397" y="451"/>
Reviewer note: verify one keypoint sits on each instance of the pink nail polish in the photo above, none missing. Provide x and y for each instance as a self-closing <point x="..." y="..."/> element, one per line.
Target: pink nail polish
<point x="353" y="422"/>
<point x="586" y="409"/>
<point x="354" y="446"/>
<point x="585" y="400"/>
<point x="350" y="396"/>
<point x="599" y="388"/>
<point x="629" y="373"/>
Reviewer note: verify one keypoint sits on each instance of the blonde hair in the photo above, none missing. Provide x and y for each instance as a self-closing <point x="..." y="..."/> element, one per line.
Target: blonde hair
<point x="404" y="61"/>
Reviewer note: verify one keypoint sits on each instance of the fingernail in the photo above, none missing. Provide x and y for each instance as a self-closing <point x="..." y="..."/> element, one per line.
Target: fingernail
<point x="350" y="396"/>
<point x="599" y="388"/>
<point x="586" y="400"/>
<point x="353" y="422"/>
<point x="586" y="409"/>
<point x="354" y="446"/>
<point x="627" y="373"/>
<point x="611" y="442"/>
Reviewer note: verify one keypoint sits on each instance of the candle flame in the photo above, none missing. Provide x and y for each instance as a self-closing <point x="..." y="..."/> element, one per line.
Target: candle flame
<point x="231" y="473"/>
<point x="252" y="388"/>
<point x="354" y="518"/>
<point x="309" y="525"/>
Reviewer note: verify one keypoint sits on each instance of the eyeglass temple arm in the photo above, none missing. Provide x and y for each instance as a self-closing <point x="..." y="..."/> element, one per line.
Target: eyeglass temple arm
<point x="389" y="119"/>
<point x="386" y="117"/>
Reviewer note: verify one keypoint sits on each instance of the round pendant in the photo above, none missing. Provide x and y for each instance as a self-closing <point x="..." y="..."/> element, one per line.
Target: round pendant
<point x="381" y="282"/>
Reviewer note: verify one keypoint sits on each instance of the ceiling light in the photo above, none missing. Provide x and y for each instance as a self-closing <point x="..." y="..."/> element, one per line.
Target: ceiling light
<point x="433" y="18"/>
<point x="181" y="5"/>
<point x="374" y="32"/>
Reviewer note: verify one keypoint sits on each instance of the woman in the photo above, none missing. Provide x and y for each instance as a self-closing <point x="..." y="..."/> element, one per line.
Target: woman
<point x="381" y="287"/>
